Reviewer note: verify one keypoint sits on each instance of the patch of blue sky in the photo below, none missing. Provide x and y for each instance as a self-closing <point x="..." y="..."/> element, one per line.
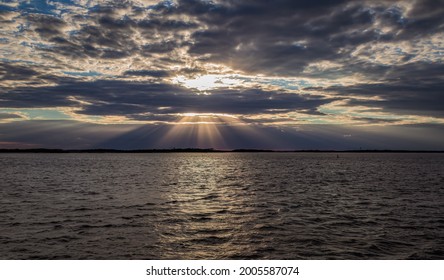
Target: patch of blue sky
<point x="330" y="111"/>
<point x="242" y="78"/>
<point x="166" y="3"/>
<point x="65" y="6"/>
<point x="286" y="84"/>
<point x="37" y="6"/>
<point x="358" y="114"/>
<point x="378" y="117"/>
<point x="45" y="6"/>
<point x="3" y="59"/>
<point x="4" y="8"/>
<point x="35" y="45"/>
<point x="20" y="29"/>
<point x="438" y="51"/>
<point x="83" y="73"/>
<point x="66" y="2"/>
<point x="39" y="114"/>
<point x="399" y="51"/>
<point x="304" y="83"/>
<point x="95" y="8"/>
<point x="162" y="5"/>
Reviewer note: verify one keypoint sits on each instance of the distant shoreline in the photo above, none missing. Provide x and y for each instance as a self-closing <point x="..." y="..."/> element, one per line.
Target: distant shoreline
<point x="195" y="150"/>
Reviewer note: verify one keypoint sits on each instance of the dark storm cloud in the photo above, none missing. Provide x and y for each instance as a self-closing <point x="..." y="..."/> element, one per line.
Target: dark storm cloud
<point x="425" y="17"/>
<point x="107" y="22"/>
<point x="29" y="74"/>
<point x="165" y="25"/>
<point x="409" y="89"/>
<point x="274" y="38"/>
<point x="401" y="99"/>
<point x="45" y="25"/>
<point x="10" y="71"/>
<point x="104" y="33"/>
<point x="106" y="97"/>
<point x="162" y="47"/>
<point x="375" y="120"/>
<point x="96" y="41"/>
<point x="285" y="36"/>
<point x="278" y="38"/>
<point x="153" y="117"/>
<point x="248" y="34"/>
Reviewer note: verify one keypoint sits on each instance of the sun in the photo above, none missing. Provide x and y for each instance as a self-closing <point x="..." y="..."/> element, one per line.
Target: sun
<point x="207" y="82"/>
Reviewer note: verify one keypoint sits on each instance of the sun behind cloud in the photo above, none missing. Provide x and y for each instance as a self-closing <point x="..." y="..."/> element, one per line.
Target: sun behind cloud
<point x="208" y="82"/>
<point x="188" y="63"/>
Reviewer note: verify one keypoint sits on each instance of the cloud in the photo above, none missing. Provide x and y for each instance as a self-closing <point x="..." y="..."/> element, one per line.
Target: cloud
<point x="284" y="63"/>
<point x="139" y="100"/>
<point x="10" y="116"/>
<point x="45" y="25"/>
<point x="244" y="35"/>
<point x="248" y="36"/>
<point x="16" y="72"/>
<point x="407" y="89"/>
<point x="150" y="73"/>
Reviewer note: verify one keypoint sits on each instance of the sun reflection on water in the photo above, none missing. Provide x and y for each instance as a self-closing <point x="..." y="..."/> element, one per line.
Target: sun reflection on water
<point x="208" y="212"/>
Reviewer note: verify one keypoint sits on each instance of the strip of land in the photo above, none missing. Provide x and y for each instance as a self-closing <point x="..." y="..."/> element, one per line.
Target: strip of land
<point x="209" y="150"/>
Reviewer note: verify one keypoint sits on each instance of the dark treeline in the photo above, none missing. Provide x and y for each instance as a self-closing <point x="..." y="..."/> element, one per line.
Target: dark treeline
<point x="209" y="150"/>
<point x="56" y="151"/>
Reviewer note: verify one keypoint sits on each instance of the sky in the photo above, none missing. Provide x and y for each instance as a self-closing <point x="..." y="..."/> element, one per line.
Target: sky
<point x="223" y="74"/>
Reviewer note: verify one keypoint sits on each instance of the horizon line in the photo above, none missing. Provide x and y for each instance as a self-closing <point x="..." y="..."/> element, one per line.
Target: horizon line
<point x="210" y="150"/>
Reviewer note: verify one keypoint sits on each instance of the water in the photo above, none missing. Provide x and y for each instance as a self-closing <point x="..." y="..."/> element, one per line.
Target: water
<point x="222" y="206"/>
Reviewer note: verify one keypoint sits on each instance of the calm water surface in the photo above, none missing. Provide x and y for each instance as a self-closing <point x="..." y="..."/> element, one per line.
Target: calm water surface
<point x="222" y="206"/>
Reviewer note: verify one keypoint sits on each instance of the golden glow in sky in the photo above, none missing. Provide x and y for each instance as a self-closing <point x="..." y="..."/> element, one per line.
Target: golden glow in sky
<point x="227" y="63"/>
<point x="207" y="82"/>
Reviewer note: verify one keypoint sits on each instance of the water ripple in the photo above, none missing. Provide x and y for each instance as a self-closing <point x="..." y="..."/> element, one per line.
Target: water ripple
<point x="222" y="206"/>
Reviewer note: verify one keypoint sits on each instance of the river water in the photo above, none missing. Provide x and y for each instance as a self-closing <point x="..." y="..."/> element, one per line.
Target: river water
<point x="222" y="206"/>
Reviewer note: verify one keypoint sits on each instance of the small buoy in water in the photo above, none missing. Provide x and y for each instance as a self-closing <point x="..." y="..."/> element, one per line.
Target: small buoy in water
<point x="337" y="156"/>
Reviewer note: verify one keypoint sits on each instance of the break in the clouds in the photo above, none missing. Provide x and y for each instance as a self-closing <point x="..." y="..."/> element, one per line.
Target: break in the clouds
<point x="285" y="65"/>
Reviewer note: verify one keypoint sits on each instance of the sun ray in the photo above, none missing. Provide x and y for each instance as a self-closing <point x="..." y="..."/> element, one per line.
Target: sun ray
<point x="199" y="130"/>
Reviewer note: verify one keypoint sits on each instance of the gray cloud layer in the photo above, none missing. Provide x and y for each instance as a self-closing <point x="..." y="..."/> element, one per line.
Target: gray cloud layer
<point x="119" y="58"/>
<point x="104" y="97"/>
